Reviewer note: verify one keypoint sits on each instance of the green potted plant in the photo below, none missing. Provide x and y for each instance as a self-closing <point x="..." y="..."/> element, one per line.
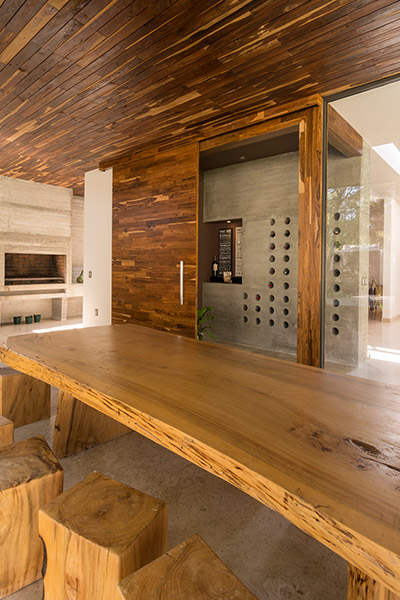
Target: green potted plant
<point x="203" y="314"/>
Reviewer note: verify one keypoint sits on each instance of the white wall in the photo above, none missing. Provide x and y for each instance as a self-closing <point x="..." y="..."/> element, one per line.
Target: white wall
<point x="97" y="248"/>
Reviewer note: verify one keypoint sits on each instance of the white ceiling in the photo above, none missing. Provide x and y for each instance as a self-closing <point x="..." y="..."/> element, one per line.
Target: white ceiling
<point x="375" y="114"/>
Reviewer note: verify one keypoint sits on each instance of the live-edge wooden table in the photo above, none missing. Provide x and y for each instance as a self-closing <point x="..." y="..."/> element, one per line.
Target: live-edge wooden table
<point x="320" y="448"/>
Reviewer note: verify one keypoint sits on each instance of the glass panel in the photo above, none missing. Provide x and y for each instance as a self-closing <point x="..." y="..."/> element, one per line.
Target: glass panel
<point x="363" y="235"/>
<point x="248" y="242"/>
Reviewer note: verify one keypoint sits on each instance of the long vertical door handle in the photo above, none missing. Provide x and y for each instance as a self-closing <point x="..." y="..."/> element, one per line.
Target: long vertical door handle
<point x="181" y="281"/>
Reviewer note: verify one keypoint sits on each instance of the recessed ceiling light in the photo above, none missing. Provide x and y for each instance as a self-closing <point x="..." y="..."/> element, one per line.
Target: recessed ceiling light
<point x="229" y="221"/>
<point x="242" y="158"/>
<point x="390" y="154"/>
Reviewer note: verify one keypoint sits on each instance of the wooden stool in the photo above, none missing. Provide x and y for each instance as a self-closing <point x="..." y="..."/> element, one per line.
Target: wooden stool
<point x="23" y="399"/>
<point x="6" y="432"/>
<point x="190" y="570"/>
<point x="95" y="534"/>
<point x="30" y="476"/>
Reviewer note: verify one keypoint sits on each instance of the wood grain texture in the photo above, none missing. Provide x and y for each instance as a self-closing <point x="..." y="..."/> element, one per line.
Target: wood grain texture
<point x="6" y="432"/>
<point x="79" y="427"/>
<point x="320" y="448"/>
<point x="190" y="570"/>
<point x="84" y="80"/>
<point x="23" y="399"/>
<point x="309" y="289"/>
<point x="362" y="587"/>
<point x="95" y="534"/>
<point x="154" y="228"/>
<point x="30" y="476"/>
<point x="342" y="136"/>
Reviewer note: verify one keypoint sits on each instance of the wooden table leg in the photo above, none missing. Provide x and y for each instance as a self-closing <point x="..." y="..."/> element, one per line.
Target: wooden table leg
<point x="79" y="427"/>
<point x="362" y="587"/>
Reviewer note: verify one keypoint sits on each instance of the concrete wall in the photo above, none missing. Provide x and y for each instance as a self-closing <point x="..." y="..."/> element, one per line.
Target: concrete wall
<point x="97" y="248"/>
<point x="263" y="193"/>
<point x="347" y="209"/>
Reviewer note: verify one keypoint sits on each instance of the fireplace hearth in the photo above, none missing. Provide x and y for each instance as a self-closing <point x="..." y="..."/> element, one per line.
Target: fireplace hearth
<point x="33" y="269"/>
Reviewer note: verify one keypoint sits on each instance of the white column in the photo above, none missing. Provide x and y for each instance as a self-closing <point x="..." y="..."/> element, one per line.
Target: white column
<point x="97" y="248"/>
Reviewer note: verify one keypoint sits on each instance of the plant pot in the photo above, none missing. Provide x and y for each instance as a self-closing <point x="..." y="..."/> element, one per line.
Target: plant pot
<point x="28" y="320"/>
<point x="17" y="320"/>
<point x="36" y="318"/>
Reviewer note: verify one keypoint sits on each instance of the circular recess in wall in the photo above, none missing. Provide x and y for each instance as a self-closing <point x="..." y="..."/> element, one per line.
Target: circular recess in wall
<point x="258" y="297"/>
<point x="336" y="288"/>
<point x="272" y="234"/>
<point x="286" y="233"/>
<point x="335" y="317"/>
<point x="245" y="307"/>
<point x="286" y="246"/>
<point x="258" y="321"/>
<point x="271" y="310"/>
<point x="286" y="271"/>
<point x="271" y="284"/>
<point x="271" y="322"/>
<point x="338" y="245"/>
<point x="271" y="298"/>
<point x="336" y="216"/>
<point x="286" y="258"/>
<point x="336" y="272"/>
<point x="336" y="302"/>
<point x="286" y="298"/>
<point x="285" y="311"/>
<point x="272" y="258"/>
<point x="272" y="271"/>
<point x="245" y="319"/>
<point x="286" y="285"/>
<point x="285" y="324"/>
<point x="258" y="308"/>
<point x="287" y="220"/>
<point x="272" y="222"/>
<point x="336" y="257"/>
<point x="245" y="296"/>
<point x="272" y="246"/>
<point x="336" y="230"/>
<point x="335" y="331"/>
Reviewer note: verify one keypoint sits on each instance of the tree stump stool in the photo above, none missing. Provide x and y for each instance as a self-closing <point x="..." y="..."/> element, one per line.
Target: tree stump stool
<point x="30" y="476"/>
<point x="95" y="534"/>
<point x="6" y="432"/>
<point x="190" y="570"/>
<point x="23" y="399"/>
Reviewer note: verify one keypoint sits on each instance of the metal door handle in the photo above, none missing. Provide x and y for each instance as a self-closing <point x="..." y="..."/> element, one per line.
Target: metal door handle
<point x="181" y="281"/>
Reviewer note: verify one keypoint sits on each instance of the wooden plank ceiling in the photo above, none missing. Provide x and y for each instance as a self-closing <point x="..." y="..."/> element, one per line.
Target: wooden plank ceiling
<point x="86" y="80"/>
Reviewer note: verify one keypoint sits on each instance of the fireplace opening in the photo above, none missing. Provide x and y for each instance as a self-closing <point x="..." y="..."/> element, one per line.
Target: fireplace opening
<point x="30" y="269"/>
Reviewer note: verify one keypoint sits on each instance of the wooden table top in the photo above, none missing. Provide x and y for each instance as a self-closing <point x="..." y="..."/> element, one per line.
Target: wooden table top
<point x="320" y="448"/>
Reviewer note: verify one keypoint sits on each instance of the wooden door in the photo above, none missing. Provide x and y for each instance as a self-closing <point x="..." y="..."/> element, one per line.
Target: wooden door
<point x="155" y="197"/>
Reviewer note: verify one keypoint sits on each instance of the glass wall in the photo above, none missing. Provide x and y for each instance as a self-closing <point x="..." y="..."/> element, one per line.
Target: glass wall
<point x="362" y="326"/>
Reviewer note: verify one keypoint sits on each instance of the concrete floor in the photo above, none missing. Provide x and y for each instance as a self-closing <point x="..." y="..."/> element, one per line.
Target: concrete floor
<point x="272" y="557"/>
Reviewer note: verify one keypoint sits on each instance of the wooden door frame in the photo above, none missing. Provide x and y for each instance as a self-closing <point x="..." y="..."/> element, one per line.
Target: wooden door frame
<point x="310" y="235"/>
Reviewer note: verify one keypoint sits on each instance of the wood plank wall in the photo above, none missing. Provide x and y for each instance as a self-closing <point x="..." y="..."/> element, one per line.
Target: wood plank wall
<point x="155" y="200"/>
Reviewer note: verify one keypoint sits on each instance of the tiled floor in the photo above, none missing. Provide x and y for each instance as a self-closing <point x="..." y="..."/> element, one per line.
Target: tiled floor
<point x="273" y="558"/>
